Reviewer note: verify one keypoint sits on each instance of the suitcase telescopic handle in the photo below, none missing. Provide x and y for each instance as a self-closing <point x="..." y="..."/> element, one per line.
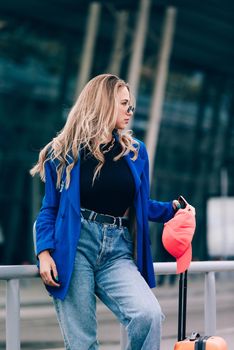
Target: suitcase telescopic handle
<point x="182" y="308"/>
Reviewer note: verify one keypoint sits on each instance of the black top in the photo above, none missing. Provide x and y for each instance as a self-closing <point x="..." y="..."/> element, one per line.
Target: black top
<point x="113" y="190"/>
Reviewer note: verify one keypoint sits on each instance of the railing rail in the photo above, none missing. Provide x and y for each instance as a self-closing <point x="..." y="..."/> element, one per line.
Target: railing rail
<point x="12" y="275"/>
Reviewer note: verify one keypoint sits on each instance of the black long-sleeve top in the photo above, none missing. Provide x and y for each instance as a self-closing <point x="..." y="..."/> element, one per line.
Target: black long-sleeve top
<point x="113" y="190"/>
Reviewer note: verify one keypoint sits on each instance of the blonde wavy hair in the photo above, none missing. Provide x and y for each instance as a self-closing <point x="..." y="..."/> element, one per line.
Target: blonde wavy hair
<point x="89" y="124"/>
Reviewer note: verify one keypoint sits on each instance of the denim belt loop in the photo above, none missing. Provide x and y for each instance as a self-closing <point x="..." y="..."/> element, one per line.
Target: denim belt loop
<point x="92" y="214"/>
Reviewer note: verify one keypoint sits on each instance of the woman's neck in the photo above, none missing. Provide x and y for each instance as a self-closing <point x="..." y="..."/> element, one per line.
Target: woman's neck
<point x="110" y="137"/>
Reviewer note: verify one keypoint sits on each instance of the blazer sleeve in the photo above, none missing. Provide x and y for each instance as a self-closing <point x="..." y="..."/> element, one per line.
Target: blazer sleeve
<point x="157" y="211"/>
<point x="45" y="222"/>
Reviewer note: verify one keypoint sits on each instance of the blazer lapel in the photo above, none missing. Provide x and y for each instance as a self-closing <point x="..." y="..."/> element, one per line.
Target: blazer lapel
<point x="73" y="190"/>
<point x="136" y="168"/>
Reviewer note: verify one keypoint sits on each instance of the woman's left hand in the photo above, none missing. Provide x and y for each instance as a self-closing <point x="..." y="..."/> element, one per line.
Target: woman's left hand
<point x="176" y="206"/>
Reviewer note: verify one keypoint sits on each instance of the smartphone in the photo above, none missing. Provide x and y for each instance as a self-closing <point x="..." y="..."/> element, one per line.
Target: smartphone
<point x="183" y="202"/>
<point x="53" y="278"/>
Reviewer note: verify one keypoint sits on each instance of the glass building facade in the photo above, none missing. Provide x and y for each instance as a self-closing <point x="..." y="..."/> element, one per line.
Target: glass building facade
<point x="40" y="56"/>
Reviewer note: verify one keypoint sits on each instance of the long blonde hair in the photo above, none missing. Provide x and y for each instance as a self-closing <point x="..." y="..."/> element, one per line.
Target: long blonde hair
<point x="89" y="123"/>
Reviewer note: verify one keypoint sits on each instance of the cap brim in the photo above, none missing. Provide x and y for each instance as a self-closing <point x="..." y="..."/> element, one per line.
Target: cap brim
<point x="184" y="261"/>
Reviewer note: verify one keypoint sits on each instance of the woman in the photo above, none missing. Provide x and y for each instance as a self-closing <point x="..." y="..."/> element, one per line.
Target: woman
<point x="92" y="236"/>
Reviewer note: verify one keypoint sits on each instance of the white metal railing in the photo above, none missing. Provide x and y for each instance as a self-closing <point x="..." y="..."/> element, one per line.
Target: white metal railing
<point x="12" y="275"/>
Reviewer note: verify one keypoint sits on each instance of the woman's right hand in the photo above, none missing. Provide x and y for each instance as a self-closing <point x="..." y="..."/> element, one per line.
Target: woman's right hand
<point x="47" y="267"/>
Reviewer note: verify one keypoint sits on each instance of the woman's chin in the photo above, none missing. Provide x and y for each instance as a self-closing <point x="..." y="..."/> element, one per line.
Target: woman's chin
<point x="121" y="127"/>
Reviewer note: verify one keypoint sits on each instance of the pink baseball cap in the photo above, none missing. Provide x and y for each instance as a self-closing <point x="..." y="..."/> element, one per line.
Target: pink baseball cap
<point x="177" y="237"/>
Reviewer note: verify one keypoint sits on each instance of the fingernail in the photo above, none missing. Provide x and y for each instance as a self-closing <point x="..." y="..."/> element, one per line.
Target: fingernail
<point x="56" y="278"/>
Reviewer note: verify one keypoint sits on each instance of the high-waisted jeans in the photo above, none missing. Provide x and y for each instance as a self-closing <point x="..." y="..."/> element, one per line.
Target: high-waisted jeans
<point x="104" y="267"/>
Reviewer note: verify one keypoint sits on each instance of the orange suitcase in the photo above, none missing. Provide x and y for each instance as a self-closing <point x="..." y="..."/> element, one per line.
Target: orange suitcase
<point x="202" y="343"/>
<point x="195" y="341"/>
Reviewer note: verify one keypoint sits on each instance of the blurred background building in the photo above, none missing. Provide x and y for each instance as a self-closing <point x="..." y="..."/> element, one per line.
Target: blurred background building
<point x="179" y="58"/>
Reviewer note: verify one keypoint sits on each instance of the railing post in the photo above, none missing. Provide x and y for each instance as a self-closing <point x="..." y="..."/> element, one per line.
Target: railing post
<point x="12" y="315"/>
<point x="210" y="304"/>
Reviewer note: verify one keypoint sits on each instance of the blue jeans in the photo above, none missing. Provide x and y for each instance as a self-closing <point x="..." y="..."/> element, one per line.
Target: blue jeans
<point x="104" y="267"/>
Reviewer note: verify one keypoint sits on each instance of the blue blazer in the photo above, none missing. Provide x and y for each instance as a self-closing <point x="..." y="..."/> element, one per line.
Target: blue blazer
<point x="58" y="223"/>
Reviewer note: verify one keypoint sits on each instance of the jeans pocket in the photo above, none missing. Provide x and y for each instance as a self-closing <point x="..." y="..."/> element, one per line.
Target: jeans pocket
<point x="127" y="235"/>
